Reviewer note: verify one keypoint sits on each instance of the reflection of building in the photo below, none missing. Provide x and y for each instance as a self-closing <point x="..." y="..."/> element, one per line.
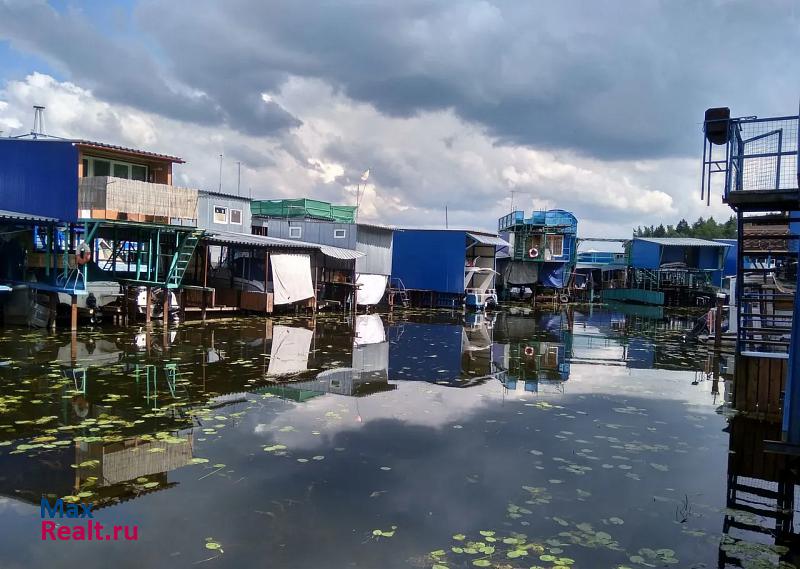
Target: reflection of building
<point x="535" y="353"/>
<point x="445" y="353"/>
<point x="113" y="472"/>
<point x="760" y="499"/>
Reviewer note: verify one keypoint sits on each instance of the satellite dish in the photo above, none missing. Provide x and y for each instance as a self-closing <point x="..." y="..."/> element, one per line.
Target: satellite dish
<point x="716" y="125"/>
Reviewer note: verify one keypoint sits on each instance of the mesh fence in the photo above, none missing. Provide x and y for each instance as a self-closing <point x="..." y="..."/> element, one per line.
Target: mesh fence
<point x="764" y="154"/>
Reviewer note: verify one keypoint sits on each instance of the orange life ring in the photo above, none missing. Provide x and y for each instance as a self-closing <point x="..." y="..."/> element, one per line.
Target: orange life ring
<point x="533" y="252"/>
<point x="83" y="254"/>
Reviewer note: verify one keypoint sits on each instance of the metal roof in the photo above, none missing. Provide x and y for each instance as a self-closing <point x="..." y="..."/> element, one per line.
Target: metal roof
<point x="682" y="242"/>
<point x="230" y="238"/>
<point x="489" y="240"/>
<point x="104" y="146"/>
<point x="5" y="214"/>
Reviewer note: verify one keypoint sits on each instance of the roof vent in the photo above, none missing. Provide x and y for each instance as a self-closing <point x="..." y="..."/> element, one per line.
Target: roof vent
<point x="38" y="121"/>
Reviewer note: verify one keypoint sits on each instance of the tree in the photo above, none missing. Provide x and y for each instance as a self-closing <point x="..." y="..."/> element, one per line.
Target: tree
<point x="702" y="228"/>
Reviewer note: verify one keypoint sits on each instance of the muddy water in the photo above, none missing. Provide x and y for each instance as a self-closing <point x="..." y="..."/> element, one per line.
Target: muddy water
<point x="424" y="439"/>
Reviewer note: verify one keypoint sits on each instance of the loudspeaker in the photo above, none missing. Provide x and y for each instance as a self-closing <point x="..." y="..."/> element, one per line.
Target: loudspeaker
<point x="716" y="125"/>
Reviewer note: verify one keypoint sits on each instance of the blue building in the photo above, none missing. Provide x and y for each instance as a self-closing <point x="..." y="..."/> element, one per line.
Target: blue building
<point x="445" y="266"/>
<point x="701" y="261"/>
<point x="542" y="248"/>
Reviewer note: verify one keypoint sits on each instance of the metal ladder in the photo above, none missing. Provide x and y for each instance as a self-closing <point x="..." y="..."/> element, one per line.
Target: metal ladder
<point x="182" y="257"/>
<point x="400" y="292"/>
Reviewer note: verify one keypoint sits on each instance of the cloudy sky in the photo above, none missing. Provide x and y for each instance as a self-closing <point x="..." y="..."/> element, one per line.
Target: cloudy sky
<point x="590" y="106"/>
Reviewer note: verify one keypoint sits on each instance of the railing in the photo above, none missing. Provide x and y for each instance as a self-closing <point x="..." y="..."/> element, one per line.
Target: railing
<point x="756" y="155"/>
<point x="105" y="197"/>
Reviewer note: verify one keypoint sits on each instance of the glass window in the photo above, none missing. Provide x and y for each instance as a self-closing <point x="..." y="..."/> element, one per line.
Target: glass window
<point x="220" y="214"/>
<point x="556" y="245"/>
<point x="139" y="173"/>
<point x="101" y="167"/>
<point x="295" y="232"/>
<point x="121" y="171"/>
<point x="236" y="216"/>
<point x="339" y="233"/>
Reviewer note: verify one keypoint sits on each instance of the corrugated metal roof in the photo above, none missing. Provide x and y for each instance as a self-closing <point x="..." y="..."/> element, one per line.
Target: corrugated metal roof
<point x="5" y="214"/>
<point x="339" y="253"/>
<point x="105" y="146"/>
<point x="682" y="241"/>
<point x="230" y="238"/>
<point x="489" y="240"/>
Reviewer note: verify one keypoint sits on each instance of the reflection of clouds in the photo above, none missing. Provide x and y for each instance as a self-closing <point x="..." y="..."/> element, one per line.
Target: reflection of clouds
<point x="417" y="404"/>
<point x="11" y="506"/>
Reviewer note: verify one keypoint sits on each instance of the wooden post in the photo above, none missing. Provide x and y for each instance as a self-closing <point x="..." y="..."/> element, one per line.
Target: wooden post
<point x="148" y="305"/>
<point x="205" y="285"/>
<point x="73" y="321"/>
<point x="718" y="321"/>
<point x="51" y="323"/>
<point x="165" y="306"/>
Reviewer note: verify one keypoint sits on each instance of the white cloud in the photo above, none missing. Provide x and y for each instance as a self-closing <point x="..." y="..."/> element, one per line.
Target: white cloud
<point x="419" y="164"/>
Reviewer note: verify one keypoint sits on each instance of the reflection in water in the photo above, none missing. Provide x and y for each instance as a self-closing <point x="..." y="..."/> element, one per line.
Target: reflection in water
<point x="339" y="427"/>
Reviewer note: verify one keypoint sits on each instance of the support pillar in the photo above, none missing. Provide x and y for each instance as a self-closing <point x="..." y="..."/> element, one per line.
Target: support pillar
<point x="165" y="306"/>
<point x="148" y="305"/>
<point x="791" y="399"/>
<point x="73" y="318"/>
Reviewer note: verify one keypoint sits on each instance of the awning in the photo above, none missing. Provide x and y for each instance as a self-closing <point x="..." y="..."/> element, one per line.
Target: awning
<point x="266" y="242"/>
<point x="5" y="214"/>
<point x="339" y="253"/>
<point x="291" y="277"/>
<point x="489" y="240"/>
<point x="371" y="289"/>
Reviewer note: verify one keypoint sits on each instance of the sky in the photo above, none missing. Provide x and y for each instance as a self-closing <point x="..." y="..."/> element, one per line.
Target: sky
<point x="591" y="106"/>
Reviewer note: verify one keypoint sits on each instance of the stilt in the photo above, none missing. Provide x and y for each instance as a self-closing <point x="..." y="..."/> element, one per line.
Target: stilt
<point x="51" y="322"/>
<point x="73" y="319"/>
<point x="718" y="321"/>
<point x="148" y="306"/>
<point x="165" y="306"/>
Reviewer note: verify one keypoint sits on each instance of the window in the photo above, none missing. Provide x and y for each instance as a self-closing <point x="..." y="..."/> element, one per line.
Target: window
<point x="139" y="173"/>
<point x="556" y="245"/>
<point x="236" y="216"/>
<point x="295" y="232"/>
<point x="220" y="214"/>
<point x="121" y="171"/>
<point x="102" y="167"/>
<point x="339" y="233"/>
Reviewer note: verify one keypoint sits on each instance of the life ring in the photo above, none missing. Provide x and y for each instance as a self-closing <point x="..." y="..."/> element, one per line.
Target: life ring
<point x="83" y="254"/>
<point x="564" y="298"/>
<point x="529" y="351"/>
<point x="533" y="252"/>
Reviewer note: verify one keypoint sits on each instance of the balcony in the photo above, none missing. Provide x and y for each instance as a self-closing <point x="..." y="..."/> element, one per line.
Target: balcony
<point x="105" y="197"/>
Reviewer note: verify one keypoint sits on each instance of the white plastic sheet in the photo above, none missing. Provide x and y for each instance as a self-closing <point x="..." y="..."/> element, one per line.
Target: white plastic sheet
<point x="289" y="353"/>
<point x="291" y="278"/>
<point x="372" y="288"/>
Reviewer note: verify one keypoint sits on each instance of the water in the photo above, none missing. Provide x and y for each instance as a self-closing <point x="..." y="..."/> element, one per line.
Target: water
<point x="418" y="440"/>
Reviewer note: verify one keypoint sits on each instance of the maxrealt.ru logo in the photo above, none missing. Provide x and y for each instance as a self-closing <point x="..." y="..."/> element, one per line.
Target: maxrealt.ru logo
<point x="88" y="531"/>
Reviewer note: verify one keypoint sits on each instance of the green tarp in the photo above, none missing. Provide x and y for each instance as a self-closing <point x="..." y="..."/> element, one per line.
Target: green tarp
<point x="301" y="208"/>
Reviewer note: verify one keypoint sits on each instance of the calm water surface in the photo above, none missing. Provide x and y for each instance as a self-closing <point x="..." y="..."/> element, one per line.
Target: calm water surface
<point x="424" y="439"/>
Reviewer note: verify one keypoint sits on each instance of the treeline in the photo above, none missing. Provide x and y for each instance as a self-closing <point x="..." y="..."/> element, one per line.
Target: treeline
<point x="702" y="228"/>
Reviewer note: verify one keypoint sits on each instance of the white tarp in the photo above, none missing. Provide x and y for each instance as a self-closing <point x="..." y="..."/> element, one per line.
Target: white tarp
<point x="371" y="288"/>
<point x="289" y="353"/>
<point x="369" y="330"/>
<point x="291" y="278"/>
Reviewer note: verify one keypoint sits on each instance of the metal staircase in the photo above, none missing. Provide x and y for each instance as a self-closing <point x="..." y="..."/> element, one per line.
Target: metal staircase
<point x="398" y="291"/>
<point x="187" y="243"/>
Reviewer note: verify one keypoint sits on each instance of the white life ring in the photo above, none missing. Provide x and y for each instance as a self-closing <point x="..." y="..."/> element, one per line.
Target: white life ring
<point x="83" y="254"/>
<point x="529" y="351"/>
<point x="564" y="298"/>
<point x="533" y="252"/>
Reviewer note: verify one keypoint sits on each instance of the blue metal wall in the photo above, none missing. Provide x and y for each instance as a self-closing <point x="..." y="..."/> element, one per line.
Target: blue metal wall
<point x="729" y="266"/>
<point x="430" y="259"/>
<point x="645" y="254"/>
<point x="39" y="177"/>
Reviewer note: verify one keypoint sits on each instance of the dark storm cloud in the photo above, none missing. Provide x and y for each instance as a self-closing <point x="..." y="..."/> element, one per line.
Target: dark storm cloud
<point x="123" y="71"/>
<point x="614" y="80"/>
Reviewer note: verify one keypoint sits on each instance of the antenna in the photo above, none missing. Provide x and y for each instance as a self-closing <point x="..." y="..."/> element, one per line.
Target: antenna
<point x="239" y="180"/>
<point x="220" y="173"/>
<point x="38" y="121"/>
